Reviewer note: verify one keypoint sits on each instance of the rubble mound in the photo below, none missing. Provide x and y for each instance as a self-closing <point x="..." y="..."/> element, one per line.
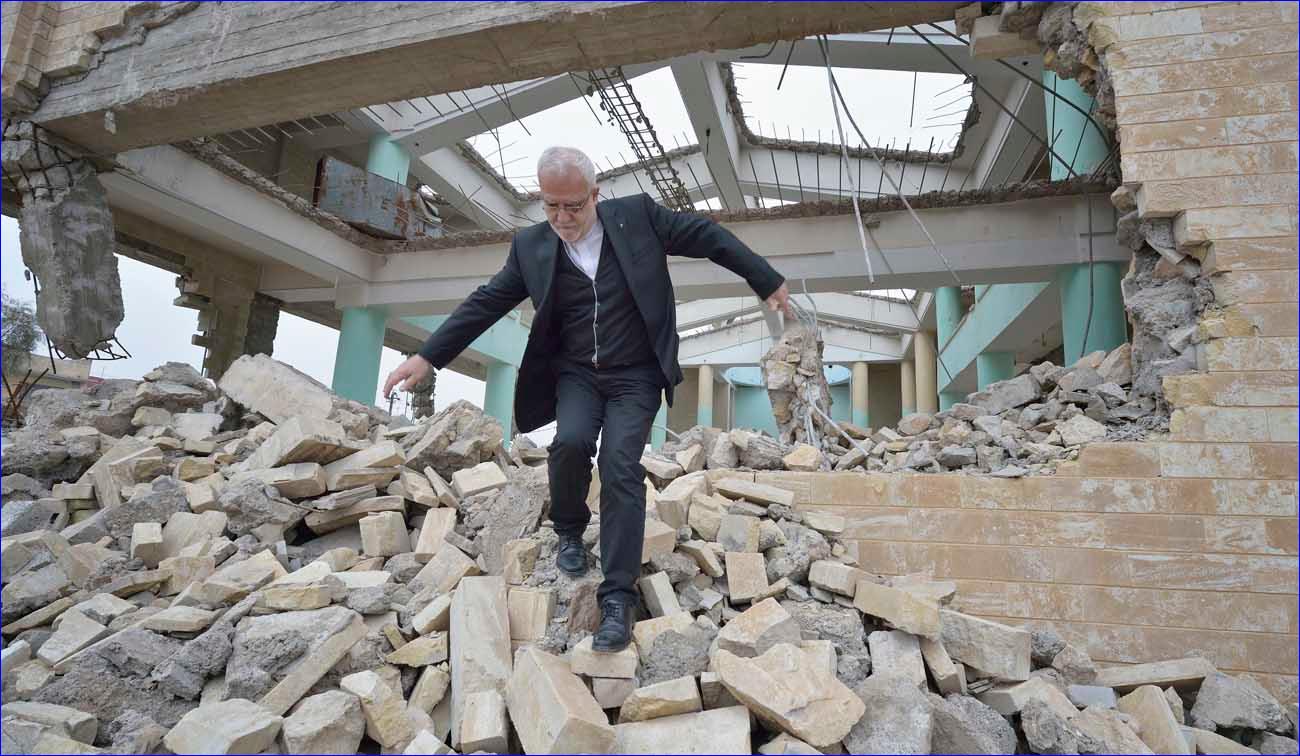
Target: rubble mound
<point x="218" y="582"/>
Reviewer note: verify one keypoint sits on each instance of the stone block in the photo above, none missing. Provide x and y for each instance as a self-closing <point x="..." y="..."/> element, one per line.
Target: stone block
<point x="717" y="731"/>
<point x="329" y="722"/>
<point x="437" y="524"/>
<point x="1084" y="696"/>
<point x="184" y="529"/>
<point x="193" y="468"/>
<point x="787" y="688"/>
<point x="76" y="725"/>
<point x="553" y="712"/>
<point x="585" y="661"/>
<point x="737" y="532"/>
<point x="518" y="559"/>
<point x="233" y="726"/>
<point x="436" y="615"/>
<point x="901" y="608"/>
<point x="325" y="522"/>
<point x="665" y="699"/>
<point x="14" y="656"/>
<point x="480" y="661"/>
<point x="705" y="515"/>
<point x="1181" y="673"/>
<point x="658" y="594"/>
<point x="180" y="619"/>
<point x="446" y="569"/>
<point x="417" y="488"/>
<point x="485" y="476"/>
<point x="824" y="523"/>
<point x="704" y="556"/>
<point x="76" y="631"/>
<point x="611" y="692"/>
<point x="147" y="543"/>
<point x="645" y="631"/>
<point x="147" y="416"/>
<point x="1008" y="699"/>
<point x="785" y="744"/>
<point x="660" y="469"/>
<point x="300" y="439"/>
<point x="1225" y="702"/>
<point x="446" y="496"/>
<point x="294" y="481"/>
<point x="997" y="649"/>
<point x="835" y="577"/>
<point x="948" y="676"/>
<point x="384" y="534"/>
<point x="424" y="651"/>
<point x="758" y="629"/>
<point x="426" y="742"/>
<point x="1159" y="730"/>
<point x="296" y="596"/>
<point x="383" y="708"/>
<point x="379" y="477"/>
<point x="359" y="577"/>
<point x="894" y="652"/>
<point x="897" y="720"/>
<point x="674" y="502"/>
<point x="336" y="630"/>
<point x="530" y="611"/>
<point x="430" y="689"/>
<point x="1213" y="742"/>
<point x="659" y="539"/>
<point x="746" y="575"/>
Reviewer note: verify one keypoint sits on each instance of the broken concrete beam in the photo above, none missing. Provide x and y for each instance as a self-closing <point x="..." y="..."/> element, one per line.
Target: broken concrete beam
<point x="384" y="534"/>
<point x="658" y="594"/>
<point x="990" y="647"/>
<point x="384" y="710"/>
<point x="1159" y="730"/>
<point x="717" y="731"/>
<point x="659" y="539"/>
<point x="147" y="543"/>
<point x="232" y="726"/>
<point x="894" y="652"/>
<point x="900" y="608"/>
<point x="480" y="656"/>
<point x="552" y="710"/>
<point x="485" y="476"/>
<point x="530" y="611"/>
<point x="1181" y="673"/>
<point x="585" y="661"/>
<point x="758" y="629"/>
<point x="484" y="725"/>
<point x="746" y="574"/>
<point x="758" y="493"/>
<point x="665" y="699"/>
<point x="324" y="522"/>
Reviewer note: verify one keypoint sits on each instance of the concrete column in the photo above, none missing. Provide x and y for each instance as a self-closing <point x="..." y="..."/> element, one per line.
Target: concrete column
<point x="907" y="378"/>
<point x="949" y="398"/>
<point x="991" y="367"/>
<point x="859" y="395"/>
<point x="704" y="405"/>
<point x="356" y="360"/>
<point x="1109" y="323"/>
<point x="499" y="397"/>
<point x="947" y="312"/>
<point x="387" y="158"/>
<point x="658" y="434"/>
<point x="1078" y="141"/>
<point x="927" y="399"/>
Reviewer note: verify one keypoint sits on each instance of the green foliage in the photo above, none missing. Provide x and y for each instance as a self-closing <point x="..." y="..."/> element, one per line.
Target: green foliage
<point x="20" y="333"/>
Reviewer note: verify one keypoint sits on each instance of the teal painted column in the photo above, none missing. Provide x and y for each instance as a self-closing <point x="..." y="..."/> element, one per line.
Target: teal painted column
<point x="947" y="312"/>
<point x="1078" y="141"/>
<point x="356" y="359"/>
<point x="949" y="398"/>
<point x="658" y="432"/>
<point x="991" y="367"/>
<point x="1109" y="326"/>
<point x="388" y="158"/>
<point x="499" y="396"/>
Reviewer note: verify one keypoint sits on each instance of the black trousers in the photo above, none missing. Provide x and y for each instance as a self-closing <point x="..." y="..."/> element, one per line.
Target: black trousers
<point x="619" y="404"/>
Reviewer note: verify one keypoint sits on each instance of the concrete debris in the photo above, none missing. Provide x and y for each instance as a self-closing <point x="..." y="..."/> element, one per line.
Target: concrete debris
<point x="317" y="583"/>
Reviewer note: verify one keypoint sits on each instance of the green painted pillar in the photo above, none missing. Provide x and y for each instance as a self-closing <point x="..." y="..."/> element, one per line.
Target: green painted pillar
<point x="1078" y="141"/>
<point x="949" y="398"/>
<point x="991" y="367"/>
<point x="947" y="312"/>
<point x="499" y="397"/>
<point x="658" y="431"/>
<point x="1109" y="325"/>
<point x="387" y="158"/>
<point x="356" y="360"/>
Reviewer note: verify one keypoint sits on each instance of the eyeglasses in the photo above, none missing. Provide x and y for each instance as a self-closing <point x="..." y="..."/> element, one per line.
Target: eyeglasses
<point x="568" y="207"/>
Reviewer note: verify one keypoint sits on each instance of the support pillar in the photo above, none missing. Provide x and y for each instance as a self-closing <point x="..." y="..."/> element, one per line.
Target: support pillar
<point x="658" y="431"/>
<point x="859" y="395"/>
<point x="927" y="396"/>
<point x="991" y="367"/>
<point x="947" y="312"/>
<point x="704" y="405"/>
<point x="499" y="397"/>
<point x="1109" y="323"/>
<point x="1078" y="141"/>
<point x="387" y="158"/>
<point x="907" y="377"/>
<point x="356" y="360"/>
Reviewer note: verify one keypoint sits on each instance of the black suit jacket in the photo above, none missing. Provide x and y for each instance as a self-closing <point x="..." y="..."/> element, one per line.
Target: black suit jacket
<point x="642" y="234"/>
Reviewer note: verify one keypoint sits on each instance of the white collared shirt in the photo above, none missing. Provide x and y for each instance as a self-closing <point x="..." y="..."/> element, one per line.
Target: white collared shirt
<point x="585" y="252"/>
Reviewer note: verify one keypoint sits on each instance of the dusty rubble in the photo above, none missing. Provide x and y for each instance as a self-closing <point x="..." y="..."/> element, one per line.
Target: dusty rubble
<point x="209" y="569"/>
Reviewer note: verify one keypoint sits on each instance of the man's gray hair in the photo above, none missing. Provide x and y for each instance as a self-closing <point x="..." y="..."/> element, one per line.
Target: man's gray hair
<point x="563" y="159"/>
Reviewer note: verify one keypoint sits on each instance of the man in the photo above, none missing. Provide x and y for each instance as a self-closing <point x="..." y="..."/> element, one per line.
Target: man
<point x="602" y="349"/>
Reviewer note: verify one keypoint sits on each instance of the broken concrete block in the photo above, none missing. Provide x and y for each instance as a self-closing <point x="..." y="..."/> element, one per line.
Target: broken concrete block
<point x="75" y="632"/>
<point x="746" y="575"/>
<point x="1159" y="731"/>
<point x="385" y="713"/>
<point x="483" y="725"/>
<point x="901" y="608"/>
<point x="518" y="558"/>
<point x="738" y="533"/>
<point x="1180" y="673"/>
<point x="991" y="647"/>
<point x="421" y="652"/>
<point x="485" y="476"/>
<point x="659" y="539"/>
<point x="646" y="631"/>
<point x="758" y="629"/>
<point x="480" y="660"/>
<point x="446" y="570"/>
<point x="961" y="724"/>
<point x="948" y="676"/>
<point x="329" y="722"/>
<point x="897" y="719"/>
<point x="328" y="633"/>
<point x="180" y="619"/>
<point x="530" y="611"/>
<point x="665" y="699"/>
<point x="894" y="652"/>
<point x="437" y="524"/>
<point x="552" y="710"/>
<point x="787" y="689"/>
<point x="585" y="661"/>
<point x="434" y="616"/>
<point x="147" y="543"/>
<point x="232" y="726"/>
<point x="1225" y="702"/>
<point x="384" y="534"/>
<point x="658" y="594"/>
<point x="611" y="692"/>
<point x="759" y="493"/>
<point x="718" y="731"/>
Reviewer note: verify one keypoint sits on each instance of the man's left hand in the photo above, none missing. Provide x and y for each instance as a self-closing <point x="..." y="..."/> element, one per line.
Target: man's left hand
<point x="780" y="300"/>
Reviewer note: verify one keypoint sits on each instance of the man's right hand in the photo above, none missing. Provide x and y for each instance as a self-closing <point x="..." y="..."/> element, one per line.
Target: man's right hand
<point x="409" y="373"/>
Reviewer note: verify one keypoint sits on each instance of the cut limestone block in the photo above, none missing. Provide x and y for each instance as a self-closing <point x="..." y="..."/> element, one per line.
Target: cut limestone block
<point x="301" y="439"/>
<point x="705" y="514"/>
<point x="553" y="712"/>
<point x="824" y="523"/>
<point x="948" y="676"/>
<point x="147" y="543"/>
<point x="720" y="731"/>
<point x="895" y="652"/>
<point x="446" y="496"/>
<point x="746" y="576"/>
<point x="436" y="615"/>
<point x="997" y="649"/>
<point x="437" y="524"/>
<point x="786" y="687"/>
<point x="445" y="570"/>
<point x="665" y="699"/>
<point x="421" y="652"/>
<point x="758" y="629"/>
<point x="611" y="692"/>
<point x="705" y="557"/>
<point x="658" y="594"/>
<point x="417" y="488"/>
<point x="1159" y="730"/>
<point x="835" y="577"/>
<point x="759" y="493"/>
<point x="180" y="619"/>
<point x="674" y="502"/>
<point x="659" y="539"/>
<point x="325" y="522"/>
<point x="485" y="476"/>
<point x="1009" y="699"/>
<point x="294" y="481"/>
<point x="385" y="713"/>
<point x="384" y="534"/>
<point x="329" y="722"/>
<point x="480" y="660"/>
<point x="184" y="529"/>
<point x="645" y="631"/>
<point x="518" y="559"/>
<point x="14" y="656"/>
<point x="75" y="632"/>
<point x="1182" y="674"/>
<point x="430" y="689"/>
<point x="483" y="725"/>
<point x="902" y="609"/>
<point x="530" y="611"/>
<point x="738" y="532"/>
<point x="585" y="661"/>
<point x="336" y="631"/>
<point x="427" y="742"/>
<point x="76" y="725"/>
<point x="233" y="726"/>
<point x="381" y="454"/>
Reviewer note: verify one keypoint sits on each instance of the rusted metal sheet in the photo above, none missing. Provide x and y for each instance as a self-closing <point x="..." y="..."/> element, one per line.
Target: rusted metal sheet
<point x="370" y="203"/>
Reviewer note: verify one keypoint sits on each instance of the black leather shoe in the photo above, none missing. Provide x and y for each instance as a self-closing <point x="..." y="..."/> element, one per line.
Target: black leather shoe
<point x="571" y="557"/>
<point x="615" y="631"/>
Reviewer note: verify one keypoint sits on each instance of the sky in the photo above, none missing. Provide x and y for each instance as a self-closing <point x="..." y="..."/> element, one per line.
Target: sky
<point x="154" y="331"/>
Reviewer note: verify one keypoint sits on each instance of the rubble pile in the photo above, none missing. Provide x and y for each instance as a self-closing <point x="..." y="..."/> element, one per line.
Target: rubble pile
<point x="219" y="581"/>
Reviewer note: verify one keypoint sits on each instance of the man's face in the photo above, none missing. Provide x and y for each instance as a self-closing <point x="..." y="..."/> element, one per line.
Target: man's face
<point x="570" y="204"/>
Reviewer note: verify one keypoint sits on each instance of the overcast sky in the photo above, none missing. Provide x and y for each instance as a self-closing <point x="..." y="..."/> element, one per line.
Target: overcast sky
<point x="155" y="331"/>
